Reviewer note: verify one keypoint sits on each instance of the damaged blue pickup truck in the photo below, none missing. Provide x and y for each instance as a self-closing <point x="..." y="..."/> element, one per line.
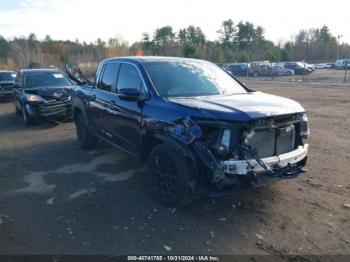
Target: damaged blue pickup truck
<point x="199" y="130"/>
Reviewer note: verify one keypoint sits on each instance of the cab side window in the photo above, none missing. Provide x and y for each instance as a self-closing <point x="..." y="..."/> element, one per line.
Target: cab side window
<point x="129" y="77"/>
<point x="108" y="80"/>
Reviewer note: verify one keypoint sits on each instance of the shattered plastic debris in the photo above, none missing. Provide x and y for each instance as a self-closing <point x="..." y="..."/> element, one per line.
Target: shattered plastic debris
<point x="167" y="248"/>
<point x="259" y="236"/>
<point x="50" y="201"/>
<point x="5" y="219"/>
<point x="346" y="205"/>
<point x="186" y="132"/>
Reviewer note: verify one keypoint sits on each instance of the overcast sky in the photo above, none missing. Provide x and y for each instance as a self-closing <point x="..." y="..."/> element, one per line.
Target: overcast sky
<point x="128" y="19"/>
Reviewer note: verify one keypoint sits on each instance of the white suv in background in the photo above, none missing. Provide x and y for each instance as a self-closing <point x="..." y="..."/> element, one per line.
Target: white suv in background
<point x="342" y="63"/>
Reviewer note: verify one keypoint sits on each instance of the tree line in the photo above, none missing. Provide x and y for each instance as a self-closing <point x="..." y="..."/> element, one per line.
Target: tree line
<point x="236" y="42"/>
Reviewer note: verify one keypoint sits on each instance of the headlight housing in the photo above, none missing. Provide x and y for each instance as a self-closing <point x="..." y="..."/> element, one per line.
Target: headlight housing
<point x="222" y="147"/>
<point x="34" y="98"/>
<point x="304" y="126"/>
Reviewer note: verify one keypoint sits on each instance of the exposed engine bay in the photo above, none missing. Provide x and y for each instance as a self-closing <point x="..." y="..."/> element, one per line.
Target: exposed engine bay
<point x="269" y="137"/>
<point x="273" y="146"/>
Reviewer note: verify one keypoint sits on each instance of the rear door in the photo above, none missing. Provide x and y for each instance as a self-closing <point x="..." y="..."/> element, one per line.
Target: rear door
<point x="101" y="100"/>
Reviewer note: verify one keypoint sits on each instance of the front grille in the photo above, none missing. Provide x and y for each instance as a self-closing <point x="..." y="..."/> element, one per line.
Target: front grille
<point x="6" y="87"/>
<point x="55" y="107"/>
<point x="52" y="100"/>
<point x="270" y="142"/>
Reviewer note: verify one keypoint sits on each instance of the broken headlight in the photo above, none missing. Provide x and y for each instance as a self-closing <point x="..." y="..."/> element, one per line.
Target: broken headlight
<point x="304" y="126"/>
<point x="223" y="146"/>
<point x="34" y="98"/>
<point x="223" y="141"/>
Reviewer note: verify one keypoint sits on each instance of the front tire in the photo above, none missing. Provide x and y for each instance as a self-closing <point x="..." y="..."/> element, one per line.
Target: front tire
<point x="27" y="118"/>
<point x="17" y="110"/>
<point x="170" y="176"/>
<point x="85" y="138"/>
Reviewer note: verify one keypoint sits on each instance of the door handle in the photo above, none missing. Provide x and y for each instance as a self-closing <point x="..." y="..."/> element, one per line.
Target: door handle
<point x="93" y="97"/>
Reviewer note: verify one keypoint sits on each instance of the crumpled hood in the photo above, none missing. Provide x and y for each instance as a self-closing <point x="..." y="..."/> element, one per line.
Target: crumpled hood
<point x="51" y="92"/>
<point x="241" y="107"/>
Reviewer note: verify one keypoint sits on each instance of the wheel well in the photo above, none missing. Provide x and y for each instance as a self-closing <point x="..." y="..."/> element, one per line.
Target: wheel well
<point x="150" y="143"/>
<point x="153" y="141"/>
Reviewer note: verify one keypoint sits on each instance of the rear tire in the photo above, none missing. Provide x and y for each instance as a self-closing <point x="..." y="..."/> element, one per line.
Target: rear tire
<point x="85" y="138"/>
<point x="170" y="176"/>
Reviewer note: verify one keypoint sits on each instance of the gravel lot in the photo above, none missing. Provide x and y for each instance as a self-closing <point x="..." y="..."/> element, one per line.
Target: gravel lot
<point x="59" y="199"/>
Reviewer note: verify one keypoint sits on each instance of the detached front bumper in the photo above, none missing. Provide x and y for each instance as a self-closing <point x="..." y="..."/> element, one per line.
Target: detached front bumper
<point x="280" y="163"/>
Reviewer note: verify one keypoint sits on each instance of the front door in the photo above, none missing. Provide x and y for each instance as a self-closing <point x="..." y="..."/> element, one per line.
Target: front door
<point x="126" y="115"/>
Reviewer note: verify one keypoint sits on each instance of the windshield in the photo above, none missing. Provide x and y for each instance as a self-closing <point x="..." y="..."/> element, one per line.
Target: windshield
<point x="46" y="79"/>
<point x="189" y="78"/>
<point x="7" y="76"/>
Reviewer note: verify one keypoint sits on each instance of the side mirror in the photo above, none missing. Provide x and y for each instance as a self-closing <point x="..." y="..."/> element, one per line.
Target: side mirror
<point x="131" y="94"/>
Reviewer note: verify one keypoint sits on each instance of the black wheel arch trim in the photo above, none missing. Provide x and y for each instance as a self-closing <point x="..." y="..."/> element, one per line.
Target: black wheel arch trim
<point x="171" y="141"/>
<point x="78" y="105"/>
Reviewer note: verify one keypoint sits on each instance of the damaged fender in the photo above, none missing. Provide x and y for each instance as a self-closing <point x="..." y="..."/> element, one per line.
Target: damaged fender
<point x="185" y="139"/>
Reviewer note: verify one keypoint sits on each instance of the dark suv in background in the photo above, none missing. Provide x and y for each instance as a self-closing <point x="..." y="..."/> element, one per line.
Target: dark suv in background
<point x="199" y="130"/>
<point x="298" y="68"/>
<point x="242" y="69"/>
<point x="7" y="79"/>
<point x="42" y="94"/>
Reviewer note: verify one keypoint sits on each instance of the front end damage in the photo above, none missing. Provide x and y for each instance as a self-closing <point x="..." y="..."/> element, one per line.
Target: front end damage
<point x="55" y="105"/>
<point x="233" y="155"/>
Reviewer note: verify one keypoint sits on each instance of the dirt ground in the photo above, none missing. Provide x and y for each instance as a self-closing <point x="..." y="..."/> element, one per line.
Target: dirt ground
<point x="56" y="198"/>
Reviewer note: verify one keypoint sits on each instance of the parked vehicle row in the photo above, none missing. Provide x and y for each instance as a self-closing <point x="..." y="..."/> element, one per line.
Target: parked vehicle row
<point x="264" y="68"/>
<point x="324" y="65"/>
<point x="199" y="130"/>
